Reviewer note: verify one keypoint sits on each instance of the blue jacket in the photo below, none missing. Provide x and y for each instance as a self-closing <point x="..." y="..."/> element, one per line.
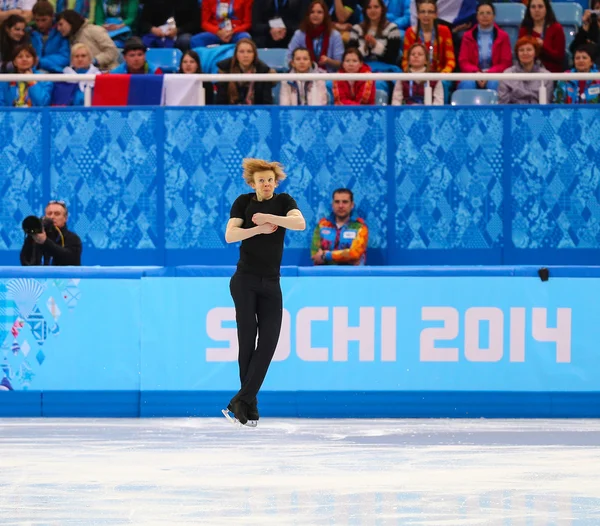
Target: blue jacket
<point x="37" y="95"/>
<point x="55" y="54"/>
<point x="399" y="13"/>
<point x="567" y="91"/>
<point x="122" y="68"/>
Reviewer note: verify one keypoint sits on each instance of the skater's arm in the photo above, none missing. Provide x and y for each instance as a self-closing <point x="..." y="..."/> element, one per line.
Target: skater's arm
<point x="234" y="231"/>
<point x="294" y="220"/>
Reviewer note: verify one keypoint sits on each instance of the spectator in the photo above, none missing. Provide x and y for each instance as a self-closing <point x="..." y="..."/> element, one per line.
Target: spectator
<point x="303" y="93"/>
<point x="224" y="22"/>
<point x="436" y="37"/>
<point x="245" y="60"/>
<point x="73" y="26"/>
<point x="134" y="54"/>
<point x="589" y="32"/>
<point x="485" y="49"/>
<point x="344" y="14"/>
<point x="527" y="51"/>
<point x="316" y="34"/>
<point x="81" y="63"/>
<point x="56" y="245"/>
<point x="275" y="21"/>
<point x="12" y="35"/>
<point x="353" y="92"/>
<point x="49" y="44"/>
<point x="190" y="64"/>
<point x="398" y="12"/>
<point x="117" y="17"/>
<point x="169" y="23"/>
<point x="21" y="8"/>
<point x="340" y="239"/>
<point x="540" y="23"/>
<point x="580" y="91"/>
<point x="412" y="92"/>
<point x="376" y="37"/>
<point x="83" y="7"/>
<point x="25" y="94"/>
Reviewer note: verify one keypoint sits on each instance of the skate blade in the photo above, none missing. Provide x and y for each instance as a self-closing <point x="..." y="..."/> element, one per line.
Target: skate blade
<point x="231" y="418"/>
<point x="228" y="415"/>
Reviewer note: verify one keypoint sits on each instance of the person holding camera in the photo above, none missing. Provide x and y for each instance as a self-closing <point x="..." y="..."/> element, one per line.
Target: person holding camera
<point x="48" y="241"/>
<point x="589" y="32"/>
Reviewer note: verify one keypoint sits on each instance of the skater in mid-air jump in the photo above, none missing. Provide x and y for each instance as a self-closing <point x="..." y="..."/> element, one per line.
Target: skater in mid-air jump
<point x="259" y="220"/>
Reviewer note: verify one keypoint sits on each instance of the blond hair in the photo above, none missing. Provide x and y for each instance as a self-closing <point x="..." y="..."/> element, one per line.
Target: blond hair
<point x="251" y="166"/>
<point x="77" y="47"/>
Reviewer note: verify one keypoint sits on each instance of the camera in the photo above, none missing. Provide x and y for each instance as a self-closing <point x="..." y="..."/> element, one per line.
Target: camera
<point x="36" y="225"/>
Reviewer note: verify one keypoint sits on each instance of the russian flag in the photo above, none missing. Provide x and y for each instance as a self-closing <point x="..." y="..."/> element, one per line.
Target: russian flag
<point x="128" y="90"/>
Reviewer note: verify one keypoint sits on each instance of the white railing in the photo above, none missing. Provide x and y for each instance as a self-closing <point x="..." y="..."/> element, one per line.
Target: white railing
<point x="283" y="77"/>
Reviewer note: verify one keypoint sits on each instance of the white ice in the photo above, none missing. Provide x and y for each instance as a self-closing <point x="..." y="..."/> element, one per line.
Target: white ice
<point x="295" y="471"/>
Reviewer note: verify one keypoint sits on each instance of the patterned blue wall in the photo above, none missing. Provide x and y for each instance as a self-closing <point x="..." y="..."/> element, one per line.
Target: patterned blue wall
<point x="21" y="185"/>
<point x="448" y="175"/>
<point x="435" y="185"/>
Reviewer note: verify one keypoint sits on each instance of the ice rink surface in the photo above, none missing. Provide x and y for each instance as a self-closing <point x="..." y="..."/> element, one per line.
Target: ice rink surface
<point x="299" y="471"/>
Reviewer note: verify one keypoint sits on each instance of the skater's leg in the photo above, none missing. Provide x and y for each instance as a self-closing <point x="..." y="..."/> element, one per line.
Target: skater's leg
<point x="243" y="292"/>
<point x="269" y="314"/>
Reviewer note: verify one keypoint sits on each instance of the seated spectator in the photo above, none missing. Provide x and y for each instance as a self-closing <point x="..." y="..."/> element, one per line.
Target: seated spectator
<point x="344" y="14"/>
<point x="117" y="17"/>
<point x="190" y="64"/>
<point x="245" y="60"/>
<point x="580" y="91"/>
<point x="340" y="239"/>
<point x="527" y="51"/>
<point x="398" y="12"/>
<point x="81" y="63"/>
<point x="73" y="26"/>
<point x="275" y="21"/>
<point x="20" y="8"/>
<point x="56" y="246"/>
<point x="303" y="93"/>
<point x="167" y="24"/>
<point x="485" y="49"/>
<point x="84" y="7"/>
<point x="436" y="37"/>
<point x="540" y="23"/>
<point x="316" y="34"/>
<point x="224" y="23"/>
<point x="135" y="63"/>
<point x="27" y="93"/>
<point x="353" y="92"/>
<point x="412" y="92"/>
<point x="12" y="35"/>
<point x="376" y="37"/>
<point x="49" y="44"/>
<point x="589" y="32"/>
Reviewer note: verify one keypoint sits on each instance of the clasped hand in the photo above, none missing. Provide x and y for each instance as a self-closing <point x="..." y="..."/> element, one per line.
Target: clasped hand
<point x="262" y="221"/>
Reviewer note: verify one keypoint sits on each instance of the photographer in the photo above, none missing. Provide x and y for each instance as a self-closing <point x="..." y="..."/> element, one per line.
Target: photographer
<point x="589" y="32"/>
<point x="49" y="241"/>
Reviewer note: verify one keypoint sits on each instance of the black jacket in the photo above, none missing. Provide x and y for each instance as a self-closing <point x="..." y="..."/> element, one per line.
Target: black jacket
<point x="156" y="12"/>
<point x="291" y="12"/>
<point x="263" y="91"/>
<point x="52" y="252"/>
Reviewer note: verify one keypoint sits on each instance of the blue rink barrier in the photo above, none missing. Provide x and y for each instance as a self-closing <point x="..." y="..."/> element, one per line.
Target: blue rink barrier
<point x="355" y="342"/>
<point x="449" y="185"/>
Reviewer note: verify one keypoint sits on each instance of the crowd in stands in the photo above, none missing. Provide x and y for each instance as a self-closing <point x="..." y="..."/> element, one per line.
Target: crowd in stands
<point x="113" y="36"/>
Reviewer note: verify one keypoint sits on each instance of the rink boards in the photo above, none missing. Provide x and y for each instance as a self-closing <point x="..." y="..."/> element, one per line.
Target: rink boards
<point x="367" y="342"/>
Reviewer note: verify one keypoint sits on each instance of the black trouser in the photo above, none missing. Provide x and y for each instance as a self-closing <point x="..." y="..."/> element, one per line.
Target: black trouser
<point x="258" y="309"/>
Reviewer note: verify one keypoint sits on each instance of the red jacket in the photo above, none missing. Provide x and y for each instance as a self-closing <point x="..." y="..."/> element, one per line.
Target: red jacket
<point x="241" y="19"/>
<point x="361" y="92"/>
<point x="468" y="59"/>
<point x="554" y="50"/>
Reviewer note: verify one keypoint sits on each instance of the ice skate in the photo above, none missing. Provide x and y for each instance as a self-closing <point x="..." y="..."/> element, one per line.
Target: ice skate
<point x="237" y="413"/>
